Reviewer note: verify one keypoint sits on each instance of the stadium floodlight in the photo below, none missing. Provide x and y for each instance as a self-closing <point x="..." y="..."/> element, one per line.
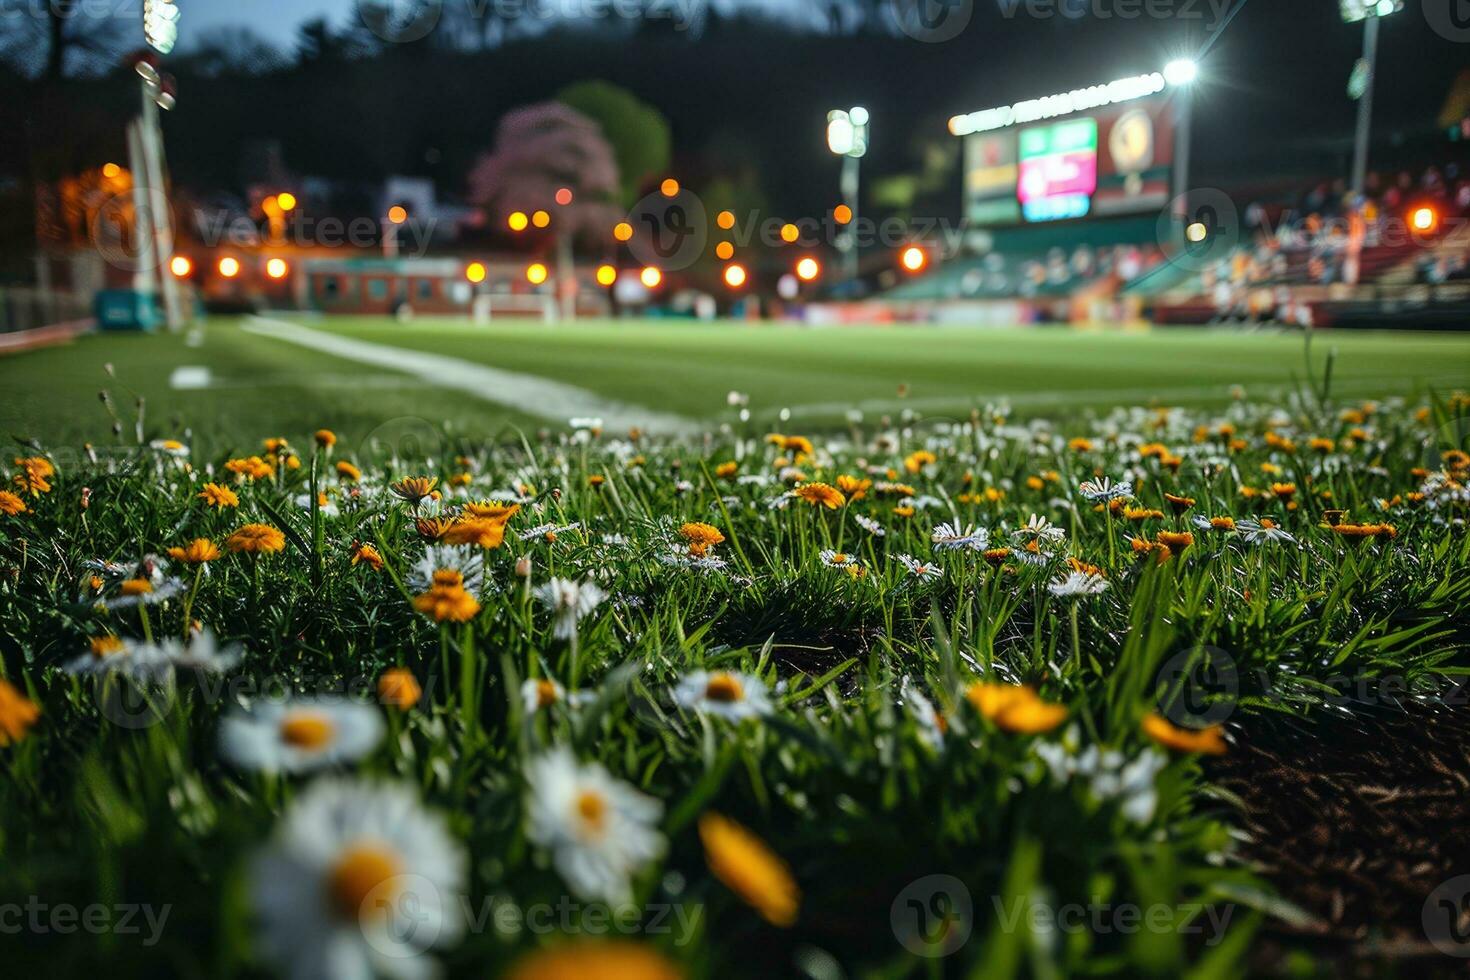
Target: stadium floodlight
<point x="1356" y="10"/>
<point x="847" y="136"/>
<point x="161" y="24"/>
<point x="1181" y="71"/>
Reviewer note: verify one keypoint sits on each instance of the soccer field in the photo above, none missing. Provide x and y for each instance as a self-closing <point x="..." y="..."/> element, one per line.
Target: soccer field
<point x="234" y="378"/>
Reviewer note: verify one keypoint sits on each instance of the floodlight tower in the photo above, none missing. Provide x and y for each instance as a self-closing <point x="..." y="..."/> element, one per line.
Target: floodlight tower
<point x="1370" y="12"/>
<point x="847" y="136"/>
<point x="1181" y="74"/>
<point x="161" y="30"/>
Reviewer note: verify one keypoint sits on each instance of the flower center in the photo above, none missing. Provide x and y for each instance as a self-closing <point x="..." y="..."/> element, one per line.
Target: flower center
<point x="359" y="884"/>
<point x="592" y="809"/>
<point x="724" y="688"/>
<point x="545" y="694"/>
<point x="105" y="646"/>
<point x="448" y="577"/>
<point x="136" y="586"/>
<point x="304" y="730"/>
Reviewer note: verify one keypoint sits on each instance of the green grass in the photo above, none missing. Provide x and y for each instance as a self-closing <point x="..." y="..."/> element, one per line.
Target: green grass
<point x="262" y="384"/>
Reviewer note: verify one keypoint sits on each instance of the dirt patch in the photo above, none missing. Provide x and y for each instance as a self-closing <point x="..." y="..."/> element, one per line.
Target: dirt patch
<point x="1356" y="819"/>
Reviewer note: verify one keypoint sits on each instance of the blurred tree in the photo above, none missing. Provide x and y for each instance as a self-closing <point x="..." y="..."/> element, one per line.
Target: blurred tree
<point x="540" y="149"/>
<point x="60" y="37"/>
<point x="232" y="50"/>
<point x="639" y="133"/>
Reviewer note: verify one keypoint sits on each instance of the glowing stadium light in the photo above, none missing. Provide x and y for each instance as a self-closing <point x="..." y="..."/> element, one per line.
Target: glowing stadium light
<point x="790" y="234"/>
<point x="564" y="196"/>
<point x="1196" y="232"/>
<point x="160" y="25"/>
<point x="1357" y="10"/>
<point x="229" y="267"/>
<point x="277" y="268"/>
<point x="914" y="259"/>
<point x="536" y="273"/>
<point x="475" y="272"/>
<point x="286" y="201"/>
<point x="724" y="251"/>
<point x="541" y="219"/>
<point x="1062" y="104"/>
<point x="726" y="220"/>
<point x="651" y="277"/>
<point x="623" y="231"/>
<point x="842" y="214"/>
<point x="606" y="275"/>
<point x="669" y="188"/>
<point x="180" y="266"/>
<point x="735" y="276"/>
<point x="847" y="132"/>
<point x="397" y="214"/>
<point x="518" y="221"/>
<point x="1424" y="220"/>
<point x="111" y="170"/>
<point x="1181" y="71"/>
<point x="808" y="269"/>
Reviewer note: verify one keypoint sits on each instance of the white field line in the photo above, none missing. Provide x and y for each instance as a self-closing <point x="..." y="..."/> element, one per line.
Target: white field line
<point x="523" y="392"/>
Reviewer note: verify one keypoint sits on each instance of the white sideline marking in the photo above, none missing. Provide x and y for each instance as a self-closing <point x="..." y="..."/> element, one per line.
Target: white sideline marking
<point x="190" y="377"/>
<point x="527" y="393"/>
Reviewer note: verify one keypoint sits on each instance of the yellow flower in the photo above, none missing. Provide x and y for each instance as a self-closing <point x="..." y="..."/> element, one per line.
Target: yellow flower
<point x="916" y="461"/>
<point x="398" y="688"/>
<point x="614" y="960"/>
<point x="447" y="600"/>
<point x="347" y="472"/>
<point x="1284" y="491"/>
<point x="275" y="445"/>
<point x="797" y="444"/>
<point x="366" y="554"/>
<point x="1208" y="741"/>
<point x="482" y="532"/>
<point x="1015" y="708"/>
<point x="1178" y="504"/>
<point x="903" y="510"/>
<point x="196" y="552"/>
<point x="433" y="528"/>
<point x="32" y="482"/>
<point x="218" y="495"/>
<point x="492" y="510"/>
<point x="1176" y="541"/>
<point x="11" y="504"/>
<point x="701" y="537"/>
<point x="251" y="467"/>
<point x="256" y="539"/>
<point x="750" y="869"/>
<point x="1080" y="445"/>
<point x="856" y="488"/>
<point x="414" y="488"/>
<point x="727" y="470"/>
<point x="820" y="495"/>
<point x="17" y="713"/>
<point x="325" y="438"/>
<point x="596" y="480"/>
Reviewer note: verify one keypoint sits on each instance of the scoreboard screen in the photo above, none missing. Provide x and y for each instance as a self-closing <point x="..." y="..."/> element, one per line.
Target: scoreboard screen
<point x="1113" y="161"/>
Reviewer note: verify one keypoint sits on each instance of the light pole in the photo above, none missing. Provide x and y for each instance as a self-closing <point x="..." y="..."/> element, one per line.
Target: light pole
<point x="1181" y="74"/>
<point x="1370" y="12"/>
<point x="847" y="136"/>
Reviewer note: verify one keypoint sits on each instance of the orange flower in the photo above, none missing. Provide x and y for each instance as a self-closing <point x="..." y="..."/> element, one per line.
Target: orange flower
<point x="595" y="960"/>
<point x="1206" y="741"/>
<point x="366" y="554"/>
<point x="856" y="488"/>
<point x="347" y="472"/>
<point x="325" y="438"/>
<point x="750" y="869"/>
<point x="251" y="467"/>
<point x="414" y="488"/>
<point x="218" y="495"/>
<point x="478" y="531"/>
<point x="1179" y="504"/>
<point x="820" y="495"/>
<point x="1176" y="541"/>
<point x="727" y="470"/>
<point x="447" y="600"/>
<point x="1015" y="708"/>
<point x="701" y="537"/>
<point x="492" y="510"/>
<point x="398" y="688"/>
<point x="256" y="539"/>
<point x="11" y="504"/>
<point x="17" y="713"/>
<point x="196" y="552"/>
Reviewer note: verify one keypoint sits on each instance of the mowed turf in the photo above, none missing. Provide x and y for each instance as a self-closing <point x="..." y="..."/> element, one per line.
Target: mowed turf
<point x="265" y="384"/>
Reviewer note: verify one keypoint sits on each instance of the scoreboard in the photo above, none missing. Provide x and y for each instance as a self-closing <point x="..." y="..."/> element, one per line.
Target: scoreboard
<point x="1081" y="155"/>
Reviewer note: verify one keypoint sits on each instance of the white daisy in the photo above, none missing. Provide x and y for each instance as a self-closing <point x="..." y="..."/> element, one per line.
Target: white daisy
<point x="170" y="447"/>
<point x="600" y="830"/>
<point x="724" y="694"/>
<point x="569" y="601"/>
<point x="543" y="530"/>
<point x="919" y="569"/>
<point x="141" y="592"/>
<point x="1039" y="529"/>
<point x="953" y="537"/>
<point x="326" y="504"/>
<point x="1078" y="584"/>
<point x="300" y="734"/>
<point x="468" y="562"/>
<point x="1105" y="490"/>
<point x="837" y="559"/>
<point x="359" y="880"/>
<point x="869" y="525"/>
<point x="1262" y="532"/>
